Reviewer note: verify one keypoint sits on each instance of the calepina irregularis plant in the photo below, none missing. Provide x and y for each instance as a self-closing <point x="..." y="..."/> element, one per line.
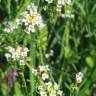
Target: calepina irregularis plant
<point x="40" y="48"/>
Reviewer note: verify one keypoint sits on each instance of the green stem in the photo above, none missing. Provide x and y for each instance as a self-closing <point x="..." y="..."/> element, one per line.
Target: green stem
<point x="9" y="8"/>
<point x="41" y="55"/>
<point x="32" y="63"/>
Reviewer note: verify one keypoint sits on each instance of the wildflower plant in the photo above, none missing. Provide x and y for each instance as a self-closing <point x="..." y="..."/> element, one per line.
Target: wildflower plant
<point x="47" y="47"/>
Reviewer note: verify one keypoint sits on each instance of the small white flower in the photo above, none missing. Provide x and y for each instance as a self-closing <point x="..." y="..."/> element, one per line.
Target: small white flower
<point x="49" y="85"/>
<point x="67" y="15"/>
<point x="43" y="93"/>
<point x="10" y="49"/>
<point x="56" y="87"/>
<point x="45" y="76"/>
<point x="47" y="55"/>
<point x="60" y="93"/>
<point x="52" y="94"/>
<point x="49" y="1"/>
<point x="7" y="55"/>
<point x="61" y="2"/>
<point x="24" y="52"/>
<point x="18" y="21"/>
<point x="79" y="77"/>
<point x="47" y="67"/>
<point x="34" y="71"/>
<point x="14" y="56"/>
<point x="44" y="68"/>
<point x="30" y="28"/>
<point x="7" y="30"/>
<point x="58" y="9"/>
<point x="17" y="53"/>
<point x="51" y="52"/>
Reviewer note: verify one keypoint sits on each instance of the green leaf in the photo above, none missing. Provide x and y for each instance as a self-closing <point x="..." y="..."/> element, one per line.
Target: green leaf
<point x="90" y="61"/>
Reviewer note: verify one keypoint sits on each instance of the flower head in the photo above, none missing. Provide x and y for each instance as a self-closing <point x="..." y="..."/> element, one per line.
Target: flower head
<point x="79" y="77"/>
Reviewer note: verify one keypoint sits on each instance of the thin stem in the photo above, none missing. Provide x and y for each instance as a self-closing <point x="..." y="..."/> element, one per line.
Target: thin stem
<point x="32" y="63"/>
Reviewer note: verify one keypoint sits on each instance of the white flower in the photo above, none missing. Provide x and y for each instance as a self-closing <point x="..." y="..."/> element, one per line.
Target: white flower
<point x="32" y="18"/>
<point x="49" y="1"/>
<point x="10" y="27"/>
<point x="22" y="62"/>
<point x="60" y="93"/>
<point x="52" y="94"/>
<point x="58" y="9"/>
<point x="47" y="55"/>
<point x="79" y="77"/>
<point x="24" y="52"/>
<point x="61" y="2"/>
<point x="44" y="68"/>
<point x="32" y="8"/>
<point x="17" y="53"/>
<point x="18" y="21"/>
<point x="34" y="71"/>
<point x="49" y="84"/>
<point x="10" y="49"/>
<point x="7" y="55"/>
<point x="47" y="67"/>
<point x="30" y="29"/>
<point x="20" y="51"/>
<point x="7" y="30"/>
<point x="43" y="93"/>
<point x="14" y="56"/>
<point x="56" y="87"/>
<point x="67" y="15"/>
<point x="45" y="76"/>
<point x="51" y="52"/>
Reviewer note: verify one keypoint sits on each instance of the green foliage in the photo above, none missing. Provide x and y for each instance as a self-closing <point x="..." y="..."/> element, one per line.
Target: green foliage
<point x="73" y="41"/>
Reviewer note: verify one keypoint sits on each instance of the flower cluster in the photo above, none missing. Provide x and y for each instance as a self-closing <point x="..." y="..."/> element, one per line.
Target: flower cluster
<point x="19" y="53"/>
<point x="50" y="89"/>
<point x="30" y="20"/>
<point x="61" y="3"/>
<point x="79" y="77"/>
<point x="46" y="87"/>
<point x="10" y="26"/>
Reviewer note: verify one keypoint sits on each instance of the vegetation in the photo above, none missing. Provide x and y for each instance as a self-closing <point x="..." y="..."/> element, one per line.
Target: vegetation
<point x="47" y="47"/>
